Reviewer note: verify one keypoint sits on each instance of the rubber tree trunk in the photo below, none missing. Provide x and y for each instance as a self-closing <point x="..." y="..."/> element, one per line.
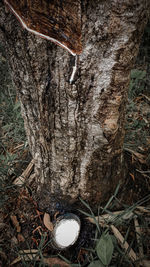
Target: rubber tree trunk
<point x="76" y="131"/>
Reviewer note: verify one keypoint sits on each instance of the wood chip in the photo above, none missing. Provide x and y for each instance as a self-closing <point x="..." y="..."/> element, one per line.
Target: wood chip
<point x="47" y="222"/>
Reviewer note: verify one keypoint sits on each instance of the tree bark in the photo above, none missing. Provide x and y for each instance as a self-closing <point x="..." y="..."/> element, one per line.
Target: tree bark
<point x="76" y="131"/>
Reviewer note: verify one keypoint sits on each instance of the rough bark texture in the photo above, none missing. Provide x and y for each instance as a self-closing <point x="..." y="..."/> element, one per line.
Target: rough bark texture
<point x="76" y="131"/>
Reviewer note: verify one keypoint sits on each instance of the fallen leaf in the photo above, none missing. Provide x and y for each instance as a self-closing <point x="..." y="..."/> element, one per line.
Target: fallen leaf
<point x="3" y="255"/>
<point x="82" y="254"/>
<point x="47" y="222"/>
<point x="26" y="255"/>
<point x="20" y="238"/>
<point x="139" y="156"/>
<point x="14" y="241"/>
<point x="2" y="225"/>
<point x="132" y="176"/>
<point x="52" y="261"/>
<point x="15" y="223"/>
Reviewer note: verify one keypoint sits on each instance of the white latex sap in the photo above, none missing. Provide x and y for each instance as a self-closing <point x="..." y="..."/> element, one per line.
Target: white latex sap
<point x="66" y="232"/>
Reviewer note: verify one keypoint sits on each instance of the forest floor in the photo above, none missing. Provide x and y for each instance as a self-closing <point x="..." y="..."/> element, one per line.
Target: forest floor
<point x="124" y="221"/>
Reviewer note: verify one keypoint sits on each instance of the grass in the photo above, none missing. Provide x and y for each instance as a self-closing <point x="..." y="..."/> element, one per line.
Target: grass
<point x="107" y="250"/>
<point x="138" y="114"/>
<point x="137" y="124"/>
<point x="137" y="127"/>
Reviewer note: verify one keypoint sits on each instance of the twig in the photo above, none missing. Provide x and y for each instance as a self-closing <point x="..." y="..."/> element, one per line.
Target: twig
<point x="123" y="243"/>
<point x="144" y="174"/>
<point x="26" y="173"/>
<point x="26" y="255"/>
<point x="142" y="171"/>
<point x="138" y="238"/>
<point x="33" y="254"/>
<point x="103" y="219"/>
<point x="139" y="156"/>
<point x="17" y="147"/>
<point x="143" y="209"/>
<point x="146" y="97"/>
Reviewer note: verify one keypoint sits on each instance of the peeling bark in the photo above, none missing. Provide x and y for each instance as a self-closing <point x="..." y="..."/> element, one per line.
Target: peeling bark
<point x="76" y="131"/>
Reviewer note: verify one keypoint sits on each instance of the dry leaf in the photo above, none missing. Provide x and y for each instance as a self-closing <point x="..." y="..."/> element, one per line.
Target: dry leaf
<point x="3" y="255"/>
<point x="52" y="261"/>
<point x="139" y="156"/>
<point x="146" y="263"/>
<point x="26" y="255"/>
<point x="47" y="222"/>
<point x="20" y="238"/>
<point x="2" y="225"/>
<point x="132" y="176"/>
<point x="15" y="223"/>
<point x="14" y="241"/>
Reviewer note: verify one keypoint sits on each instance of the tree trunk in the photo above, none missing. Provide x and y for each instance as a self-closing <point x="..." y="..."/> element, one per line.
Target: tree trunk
<point x="76" y="131"/>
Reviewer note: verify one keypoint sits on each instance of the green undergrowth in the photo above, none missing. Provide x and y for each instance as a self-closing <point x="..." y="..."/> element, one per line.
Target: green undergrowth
<point x="107" y="250"/>
<point x="138" y="106"/>
<point x="138" y="112"/>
